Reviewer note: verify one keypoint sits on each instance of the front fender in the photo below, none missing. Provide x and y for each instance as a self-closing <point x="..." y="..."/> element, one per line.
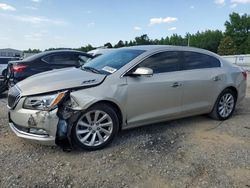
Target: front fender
<point x="85" y="101"/>
<point x="82" y="102"/>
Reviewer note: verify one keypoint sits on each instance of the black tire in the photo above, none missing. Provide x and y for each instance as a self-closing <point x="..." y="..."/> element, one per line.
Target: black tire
<point x="98" y="107"/>
<point x="3" y="85"/>
<point x="215" y="114"/>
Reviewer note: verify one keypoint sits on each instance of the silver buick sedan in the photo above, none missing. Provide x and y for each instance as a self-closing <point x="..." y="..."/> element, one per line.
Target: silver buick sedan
<point x="126" y="88"/>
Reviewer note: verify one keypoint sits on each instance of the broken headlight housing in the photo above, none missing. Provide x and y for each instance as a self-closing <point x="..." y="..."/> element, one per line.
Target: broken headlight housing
<point x="44" y="102"/>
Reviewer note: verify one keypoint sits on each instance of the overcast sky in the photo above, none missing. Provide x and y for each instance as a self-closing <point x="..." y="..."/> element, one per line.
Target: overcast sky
<point x="73" y="23"/>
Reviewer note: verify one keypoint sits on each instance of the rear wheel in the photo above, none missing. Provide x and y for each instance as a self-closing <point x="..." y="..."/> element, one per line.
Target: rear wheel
<point x="96" y="127"/>
<point x="4" y="82"/>
<point x="224" y="106"/>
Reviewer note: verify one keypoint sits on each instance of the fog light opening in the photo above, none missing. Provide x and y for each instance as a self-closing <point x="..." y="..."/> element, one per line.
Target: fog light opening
<point x="38" y="131"/>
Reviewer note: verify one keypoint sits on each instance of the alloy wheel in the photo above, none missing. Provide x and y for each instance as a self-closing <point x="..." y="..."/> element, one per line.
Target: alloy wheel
<point x="94" y="128"/>
<point x="226" y="105"/>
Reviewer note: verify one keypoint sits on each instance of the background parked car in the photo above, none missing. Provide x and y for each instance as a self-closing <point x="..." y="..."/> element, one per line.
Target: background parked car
<point x="45" y="61"/>
<point x="4" y="64"/>
<point x="3" y="71"/>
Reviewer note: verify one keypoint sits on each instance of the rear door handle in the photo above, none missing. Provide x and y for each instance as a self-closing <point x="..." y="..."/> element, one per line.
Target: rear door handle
<point x="176" y="84"/>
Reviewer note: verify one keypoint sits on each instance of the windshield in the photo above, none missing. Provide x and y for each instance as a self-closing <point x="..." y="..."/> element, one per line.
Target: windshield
<point x="111" y="62"/>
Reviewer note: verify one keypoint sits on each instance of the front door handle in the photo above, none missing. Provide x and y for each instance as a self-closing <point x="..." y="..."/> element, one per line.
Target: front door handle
<point x="216" y="78"/>
<point x="176" y="84"/>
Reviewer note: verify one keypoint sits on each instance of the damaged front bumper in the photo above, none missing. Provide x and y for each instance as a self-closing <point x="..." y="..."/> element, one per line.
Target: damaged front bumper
<point x="45" y="127"/>
<point x="39" y="126"/>
<point x="24" y="133"/>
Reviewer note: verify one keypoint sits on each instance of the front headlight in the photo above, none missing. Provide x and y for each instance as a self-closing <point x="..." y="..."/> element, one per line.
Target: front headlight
<point x="44" y="102"/>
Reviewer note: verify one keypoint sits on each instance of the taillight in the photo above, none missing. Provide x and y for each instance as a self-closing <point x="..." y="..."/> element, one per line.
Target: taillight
<point x="18" y="68"/>
<point x="244" y="75"/>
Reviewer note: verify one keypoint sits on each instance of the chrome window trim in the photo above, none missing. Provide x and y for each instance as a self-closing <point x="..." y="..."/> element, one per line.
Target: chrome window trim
<point x="221" y="64"/>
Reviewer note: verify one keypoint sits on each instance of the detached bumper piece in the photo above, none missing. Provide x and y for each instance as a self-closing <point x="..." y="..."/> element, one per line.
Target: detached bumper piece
<point x="67" y="118"/>
<point x="62" y="138"/>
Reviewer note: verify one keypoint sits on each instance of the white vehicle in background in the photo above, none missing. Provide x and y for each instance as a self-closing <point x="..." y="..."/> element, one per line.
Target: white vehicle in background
<point x="242" y="60"/>
<point x="100" y="51"/>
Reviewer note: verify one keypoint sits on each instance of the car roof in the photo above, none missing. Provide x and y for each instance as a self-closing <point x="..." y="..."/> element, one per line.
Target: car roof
<point x="169" y="47"/>
<point x="61" y="51"/>
<point x="41" y="54"/>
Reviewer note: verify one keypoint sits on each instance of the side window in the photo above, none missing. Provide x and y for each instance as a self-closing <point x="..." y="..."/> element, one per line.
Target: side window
<point x="62" y="59"/>
<point x="162" y="62"/>
<point x="194" y="60"/>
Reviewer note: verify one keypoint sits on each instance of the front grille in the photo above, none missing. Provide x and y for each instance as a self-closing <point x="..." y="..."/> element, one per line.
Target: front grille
<point x="13" y="96"/>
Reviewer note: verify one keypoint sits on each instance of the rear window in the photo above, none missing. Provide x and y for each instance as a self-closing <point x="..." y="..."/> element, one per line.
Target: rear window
<point x="34" y="57"/>
<point x="194" y="60"/>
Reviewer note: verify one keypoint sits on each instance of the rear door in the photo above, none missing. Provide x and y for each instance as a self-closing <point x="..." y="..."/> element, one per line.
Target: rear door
<point x="202" y="77"/>
<point x="158" y="97"/>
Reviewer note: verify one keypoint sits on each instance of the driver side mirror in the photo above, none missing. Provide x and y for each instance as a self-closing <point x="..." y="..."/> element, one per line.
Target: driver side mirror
<point x="142" y="71"/>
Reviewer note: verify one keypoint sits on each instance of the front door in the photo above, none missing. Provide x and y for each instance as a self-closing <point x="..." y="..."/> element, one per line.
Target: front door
<point x="158" y="97"/>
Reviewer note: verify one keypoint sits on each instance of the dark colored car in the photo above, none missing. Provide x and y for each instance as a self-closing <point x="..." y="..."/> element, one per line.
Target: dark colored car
<point x="45" y="61"/>
<point x="4" y="63"/>
<point x="3" y="71"/>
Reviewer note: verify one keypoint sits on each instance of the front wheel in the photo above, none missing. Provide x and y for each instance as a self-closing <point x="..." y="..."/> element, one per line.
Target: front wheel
<point x="96" y="127"/>
<point x="224" y="106"/>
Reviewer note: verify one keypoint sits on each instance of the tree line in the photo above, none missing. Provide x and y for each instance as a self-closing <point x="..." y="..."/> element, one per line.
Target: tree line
<point x="235" y="39"/>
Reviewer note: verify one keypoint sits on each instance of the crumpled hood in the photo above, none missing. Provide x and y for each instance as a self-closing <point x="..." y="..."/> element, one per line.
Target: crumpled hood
<point x="59" y="79"/>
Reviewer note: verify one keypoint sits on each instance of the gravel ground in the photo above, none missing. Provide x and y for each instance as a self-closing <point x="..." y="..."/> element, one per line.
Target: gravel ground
<point x="191" y="152"/>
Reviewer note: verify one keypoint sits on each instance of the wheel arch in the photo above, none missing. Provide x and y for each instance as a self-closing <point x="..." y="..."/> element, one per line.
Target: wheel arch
<point x="115" y="107"/>
<point x="232" y="88"/>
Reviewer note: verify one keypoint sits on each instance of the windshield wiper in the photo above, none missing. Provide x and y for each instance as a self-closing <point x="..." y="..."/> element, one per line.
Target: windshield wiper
<point x="91" y="69"/>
